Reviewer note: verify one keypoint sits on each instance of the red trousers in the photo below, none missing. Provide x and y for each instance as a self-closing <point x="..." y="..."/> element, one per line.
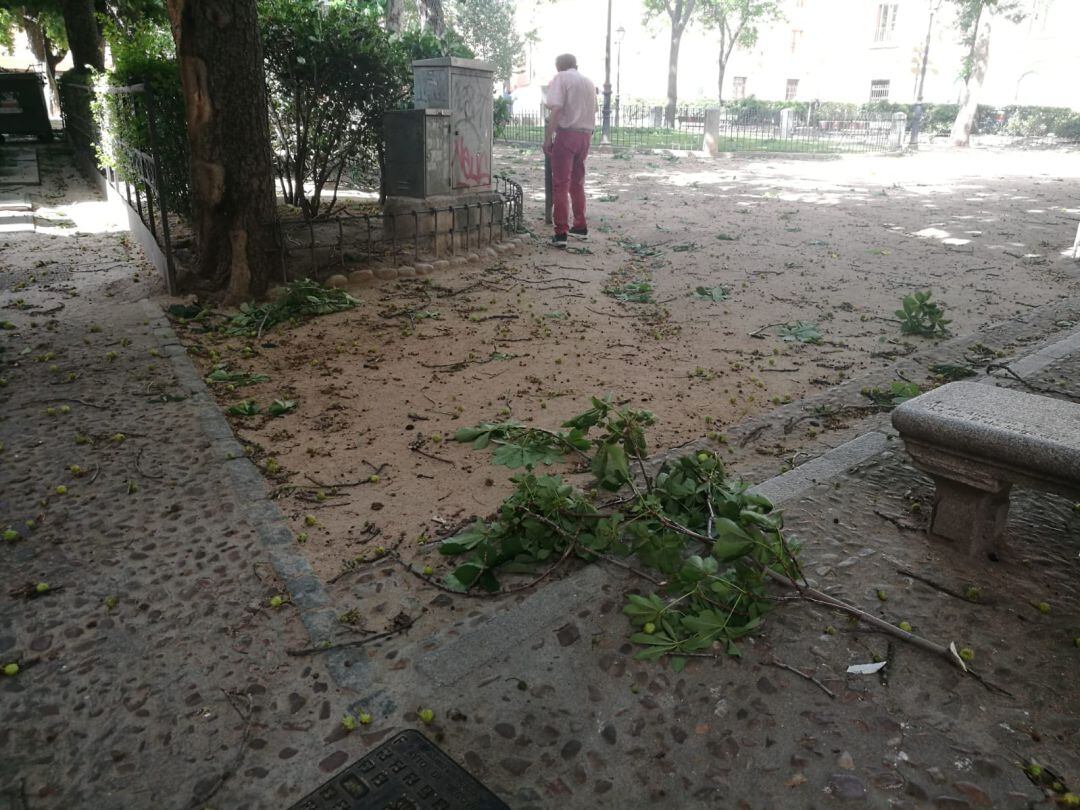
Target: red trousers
<point x="568" y="153"/>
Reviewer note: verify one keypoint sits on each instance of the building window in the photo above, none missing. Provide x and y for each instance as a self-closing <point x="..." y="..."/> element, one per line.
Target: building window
<point x="792" y="89"/>
<point x="879" y="90"/>
<point x="739" y="87"/>
<point x="796" y="38"/>
<point x="886" y="22"/>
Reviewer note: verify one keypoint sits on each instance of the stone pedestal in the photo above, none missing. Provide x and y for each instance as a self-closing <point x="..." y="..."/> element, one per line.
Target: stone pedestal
<point x="712" y="131"/>
<point x="975" y="518"/>
<point x="899" y="125"/>
<point x="787" y="123"/>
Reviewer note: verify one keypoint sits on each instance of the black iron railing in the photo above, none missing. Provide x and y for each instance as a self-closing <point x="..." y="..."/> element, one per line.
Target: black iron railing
<point x="135" y="174"/>
<point x="738" y="130"/>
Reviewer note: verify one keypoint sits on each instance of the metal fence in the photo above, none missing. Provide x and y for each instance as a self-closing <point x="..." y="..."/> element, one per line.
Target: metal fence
<point x="134" y="174"/>
<point x="739" y="130"/>
<point x="303" y="246"/>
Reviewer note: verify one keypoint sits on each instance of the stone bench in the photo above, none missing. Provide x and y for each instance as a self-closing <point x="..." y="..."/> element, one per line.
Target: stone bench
<point x="977" y="441"/>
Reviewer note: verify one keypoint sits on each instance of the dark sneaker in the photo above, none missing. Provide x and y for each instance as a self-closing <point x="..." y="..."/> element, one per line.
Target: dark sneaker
<point x="559" y="240"/>
<point x="580" y="233"/>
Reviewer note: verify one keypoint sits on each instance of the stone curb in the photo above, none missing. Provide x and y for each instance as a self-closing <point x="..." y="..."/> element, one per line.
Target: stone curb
<point x="306" y="590"/>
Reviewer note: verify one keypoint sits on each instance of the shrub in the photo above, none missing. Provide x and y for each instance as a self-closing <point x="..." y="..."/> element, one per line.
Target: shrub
<point x="332" y="73"/>
<point x="144" y="54"/>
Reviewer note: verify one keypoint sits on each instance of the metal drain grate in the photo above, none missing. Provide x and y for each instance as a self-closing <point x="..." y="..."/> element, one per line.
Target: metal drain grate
<point x="407" y="772"/>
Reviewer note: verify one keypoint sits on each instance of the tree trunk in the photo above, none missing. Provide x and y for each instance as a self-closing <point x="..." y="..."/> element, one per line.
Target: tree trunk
<point x="673" y="77"/>
<point x="723" y="65"/>
<point x="84" y="38"/>
<point x="432" y="16"/>
<point x="969" y="104"/>
<point x="394" y="9"/>
<point x="41" y="47"/>
<point x="232" y="184"/>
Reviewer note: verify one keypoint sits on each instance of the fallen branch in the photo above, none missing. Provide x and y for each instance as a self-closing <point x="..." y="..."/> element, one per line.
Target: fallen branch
<point x="801" y="674"/>
<point x="349" y="644"/>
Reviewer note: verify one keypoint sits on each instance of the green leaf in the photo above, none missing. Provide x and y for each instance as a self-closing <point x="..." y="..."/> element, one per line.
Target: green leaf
<point x="728" y="550"/>
<point x="801" y="332"/>
<point x="280" y="407"/>
<point x="710" y="293"/>
<point x="678" y="663"/>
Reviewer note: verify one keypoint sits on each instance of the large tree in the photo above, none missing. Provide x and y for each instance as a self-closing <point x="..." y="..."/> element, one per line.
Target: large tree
<point x="974" y="20"/>
<point x="489" y="29"/>
<point x="232" y="181"/>
<point x="679" y="13"/>
<point x="83" y="34"/>
<point x="738" y="23"/>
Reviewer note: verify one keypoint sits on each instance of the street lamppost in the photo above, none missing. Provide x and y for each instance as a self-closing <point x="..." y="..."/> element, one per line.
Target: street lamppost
<point x="605" y="130"/>
<point x="620" y="32"/>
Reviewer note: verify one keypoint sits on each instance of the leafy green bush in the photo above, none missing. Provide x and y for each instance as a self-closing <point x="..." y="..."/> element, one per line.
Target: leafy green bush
<point x="502" y="115"/>
<point x="921" y="316"/>
<point x="712" y="544"/>
<point x="144" y="54"/>
<point x="332" y="73"/>
<point x="425" y="45"/>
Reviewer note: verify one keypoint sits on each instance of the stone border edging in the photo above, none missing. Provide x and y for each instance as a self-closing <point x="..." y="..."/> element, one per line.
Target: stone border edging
<point x="306" y="590"/>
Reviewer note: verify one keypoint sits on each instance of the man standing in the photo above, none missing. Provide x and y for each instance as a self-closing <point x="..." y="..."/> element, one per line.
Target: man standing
<point x="571" y="98"/>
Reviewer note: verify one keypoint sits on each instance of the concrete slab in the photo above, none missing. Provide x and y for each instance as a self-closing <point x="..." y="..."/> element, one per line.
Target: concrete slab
<point x="13" y="222"/>
<point x="837" y="461"/>
<point x="11" y="200"/>
<point x="512" y="629"/>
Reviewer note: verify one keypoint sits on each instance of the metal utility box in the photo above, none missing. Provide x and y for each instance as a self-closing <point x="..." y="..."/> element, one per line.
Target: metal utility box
<point x="22" y="105"/>
<point x="464" y="87"/>
<point x="418" y="153"/>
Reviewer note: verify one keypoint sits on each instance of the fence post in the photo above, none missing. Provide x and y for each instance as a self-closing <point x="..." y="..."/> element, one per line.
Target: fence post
<point x="162" y="192"/>
<point x="712" y="131"/>
<point x="899" y="124"/>
<point x="787" y="123"/>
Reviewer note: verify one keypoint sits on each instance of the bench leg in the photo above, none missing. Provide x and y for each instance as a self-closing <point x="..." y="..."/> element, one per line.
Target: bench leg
<point x="973" y="517"/>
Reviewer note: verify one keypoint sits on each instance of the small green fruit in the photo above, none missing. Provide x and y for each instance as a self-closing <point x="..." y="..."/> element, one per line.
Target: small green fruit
<point x="1043" y="607"/>
<point x="374" y="479"/>
<point x="10" y="535"/>
<point x="11" y="669"/>
<point x="302" y="537"/>
<point x="348" y="722"/>
<point x="830" y="630"/>
<point x="1076" y="642"/>
<point x="65" y="409"/>
<point x="967" y="653"/>
<point x="310" y="520"/>
<point x="426" y="716"/>
<point x="1069" y="800"/>
<point x="702" y="456"/>
<point x="320" y="496"/>
<point x="41" y="587"/>
<point x="649" y="628"/>
<point x="276" y="601"/>
<point x="76" y="470"/>
<point x="905" y="626"/>
<point x="111" y="602"/>
<point x="61" y="490"/>
<point x="1035" y="769"/>
<point x="80" y="439"/>
<point x="364" y="718"/>
<point x="881" y="595"/>
<point x="428" y="571"/>
<point x="437" y="438"/>
<point x="50" y="411"/>
<point x="118" y="437"/>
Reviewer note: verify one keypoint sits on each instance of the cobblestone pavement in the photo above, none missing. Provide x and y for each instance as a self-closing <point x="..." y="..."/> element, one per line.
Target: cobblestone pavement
<point x="154" y="673"/>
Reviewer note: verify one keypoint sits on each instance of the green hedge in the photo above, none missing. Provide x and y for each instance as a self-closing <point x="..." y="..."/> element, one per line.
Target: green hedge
<point x="1022" y="121"/>
<point x="145" y="57"/>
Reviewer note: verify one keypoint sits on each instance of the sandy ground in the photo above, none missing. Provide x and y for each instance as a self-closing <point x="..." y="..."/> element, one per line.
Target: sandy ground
<point x="834" y="243"/>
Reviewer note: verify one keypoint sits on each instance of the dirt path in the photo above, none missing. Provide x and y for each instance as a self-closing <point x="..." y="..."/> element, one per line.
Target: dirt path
<point x="833" y="244"/>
